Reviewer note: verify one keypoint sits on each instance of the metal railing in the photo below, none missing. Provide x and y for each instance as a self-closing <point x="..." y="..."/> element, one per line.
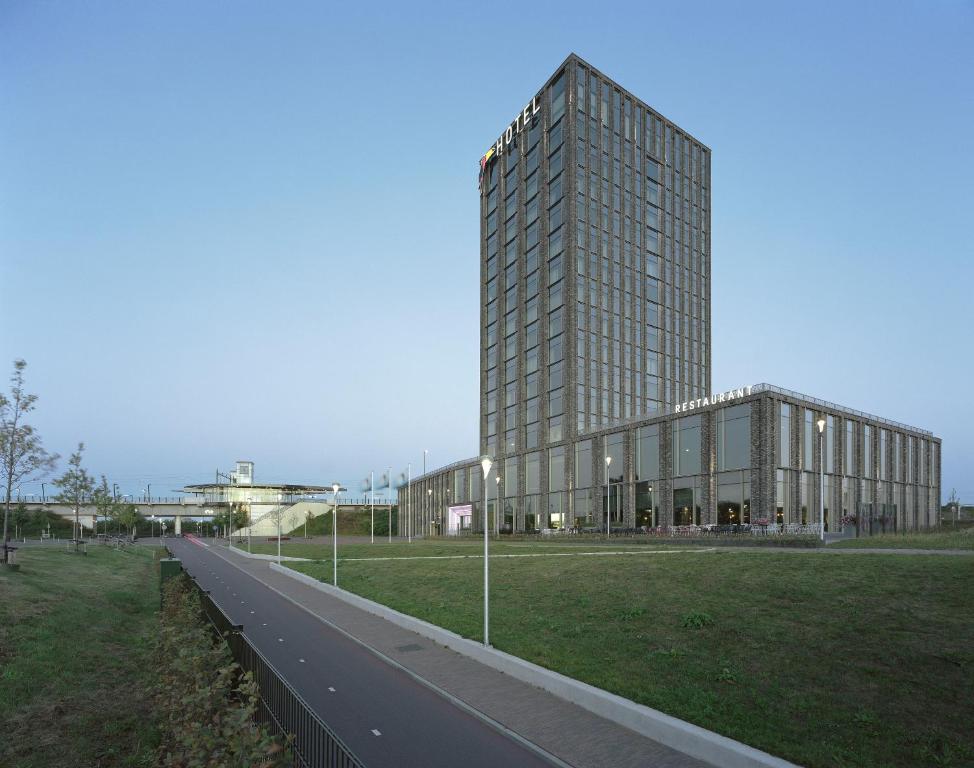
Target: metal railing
<point x="839" y="408"/>
<point x="472" y="462"/>
<point x="313" y="744"/>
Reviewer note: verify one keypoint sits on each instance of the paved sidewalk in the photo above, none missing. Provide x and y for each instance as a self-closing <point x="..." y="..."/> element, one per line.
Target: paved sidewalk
<point x="571" y="733"/>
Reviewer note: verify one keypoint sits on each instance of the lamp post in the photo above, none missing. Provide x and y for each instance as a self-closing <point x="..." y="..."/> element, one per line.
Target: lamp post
<point x="608" y="498"/>
<point x="429" y="501"/>
<point x="152" y="523"/>
<point x="821" y="466"/>
<point x="336" y="487"/>
<point x="485" y="464"/>
<point x="497" y="505"/>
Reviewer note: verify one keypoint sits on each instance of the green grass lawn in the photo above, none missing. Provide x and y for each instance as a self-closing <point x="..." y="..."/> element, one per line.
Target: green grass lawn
<point x="76" y="640"/>
<point x="860" y="660"/>
<point x="962" y="538"/>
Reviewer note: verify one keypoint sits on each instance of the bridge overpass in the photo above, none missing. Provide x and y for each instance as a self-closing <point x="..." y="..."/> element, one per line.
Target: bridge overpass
<point x="263" y="516"/>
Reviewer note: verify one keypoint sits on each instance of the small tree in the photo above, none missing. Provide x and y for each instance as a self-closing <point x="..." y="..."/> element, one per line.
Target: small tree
<point x="39" y="518"/>
<point x="76" y="485"/>
<point x="20" y="518"/>
<point x="128" y="516"/>
<point x="103" y="500"/>
<point x="22" y="457"/>
<point x="241" y="518"/>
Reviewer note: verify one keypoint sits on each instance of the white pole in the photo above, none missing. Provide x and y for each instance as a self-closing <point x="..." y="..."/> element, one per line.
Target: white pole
<point x="409" y="502"/>
<point x="821" y="465"/>
<point x="372" y="501"/>
<point x="608" y="498"/>
<point x="486" y="573"/>
<point x="389" y="479"/>
<point x="821" y="499"/>
<point x="279" y="499"/>
<point x="334" y="542"/>
<point x="486" y="468"/>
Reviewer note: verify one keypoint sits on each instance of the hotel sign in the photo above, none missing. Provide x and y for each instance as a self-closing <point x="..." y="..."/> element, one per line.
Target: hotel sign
<point x="521" y="122"/>
<point x="719" y="397"/>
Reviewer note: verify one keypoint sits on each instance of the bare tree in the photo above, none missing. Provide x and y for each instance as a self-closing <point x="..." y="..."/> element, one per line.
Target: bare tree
<point x="76" y="485"/>
<point x="22" y="457"/>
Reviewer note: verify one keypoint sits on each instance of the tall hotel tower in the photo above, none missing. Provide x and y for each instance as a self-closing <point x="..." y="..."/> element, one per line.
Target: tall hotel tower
<point x="595" y="272"/>
<point x="596" y="400"/>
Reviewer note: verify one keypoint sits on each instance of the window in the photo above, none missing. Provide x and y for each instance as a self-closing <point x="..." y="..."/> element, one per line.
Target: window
<point x="558" y="98"/>
<point x="647" y="452"/>
<point x="850" y="448"/>
<point x="867" y="451"/>
<point x="556" y="468"/>
<point x="686" y="446"/>
<point x="783" y="496"/>
<point x="615" y="450"/>
<point x="734" y="437"/>
<point x="583" y="464"/>
<point x="532" y="473"/>
<point x="510" y="476"/>
<point x="784" y="435"/>
<point x="808" y="442"/>
<point x="830" y="444"/>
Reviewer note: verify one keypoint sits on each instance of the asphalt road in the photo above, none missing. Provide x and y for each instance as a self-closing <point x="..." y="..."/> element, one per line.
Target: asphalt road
<point x="385" y="716"/>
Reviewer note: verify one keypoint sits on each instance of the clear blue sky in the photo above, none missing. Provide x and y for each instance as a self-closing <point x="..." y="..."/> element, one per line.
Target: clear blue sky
<point x="249" y="230"/>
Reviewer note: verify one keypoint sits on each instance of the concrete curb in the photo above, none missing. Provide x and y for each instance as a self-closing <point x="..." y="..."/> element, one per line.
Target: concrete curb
<point x="670" y="731"/>
<point x="254" y="556"/>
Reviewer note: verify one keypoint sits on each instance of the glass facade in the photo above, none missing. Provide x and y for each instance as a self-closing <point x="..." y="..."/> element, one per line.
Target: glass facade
<point x="680" y="470"/>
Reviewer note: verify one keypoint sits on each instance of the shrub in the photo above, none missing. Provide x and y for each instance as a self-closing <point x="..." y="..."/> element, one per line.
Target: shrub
<point x="206" y="705"/>
<point x="697" y="620"/>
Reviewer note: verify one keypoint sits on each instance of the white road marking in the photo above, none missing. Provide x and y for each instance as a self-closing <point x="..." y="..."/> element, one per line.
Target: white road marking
<point x="280" y="639"/>
<point x="301" y="660"/>
<point x="375" y="732"/>
<point x="331" y="689"/>
<point x="264" y="624"/>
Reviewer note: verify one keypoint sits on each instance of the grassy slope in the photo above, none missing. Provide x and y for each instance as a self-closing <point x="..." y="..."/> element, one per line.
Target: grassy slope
<point x="76" y="637"/>
<point x="827" y="661"/>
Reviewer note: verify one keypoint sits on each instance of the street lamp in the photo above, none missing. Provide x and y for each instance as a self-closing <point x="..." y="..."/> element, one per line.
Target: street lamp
<point x="152" y="523"/>
<point x="821" y="466"/>
<point x="497" y="505"/>
<point x="336" y="487"/>
<point x="485" y="464"/>
<point x="429" y="520"/>
<point x="608" y="497"/>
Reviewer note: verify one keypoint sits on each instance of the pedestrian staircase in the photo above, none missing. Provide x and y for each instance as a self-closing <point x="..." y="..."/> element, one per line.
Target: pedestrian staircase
<point x="292" y="516"/>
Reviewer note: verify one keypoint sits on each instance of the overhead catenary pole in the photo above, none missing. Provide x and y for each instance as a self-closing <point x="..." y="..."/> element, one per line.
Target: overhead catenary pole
<point x="280" y="498"/>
